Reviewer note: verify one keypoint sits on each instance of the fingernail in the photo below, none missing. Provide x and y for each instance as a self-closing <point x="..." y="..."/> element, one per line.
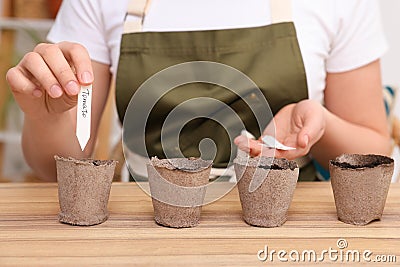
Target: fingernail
<point x="37" y="93"/>
<point x="56" y="91"/>
<point x="72" y="88"/>
<point x="86" y="77"/>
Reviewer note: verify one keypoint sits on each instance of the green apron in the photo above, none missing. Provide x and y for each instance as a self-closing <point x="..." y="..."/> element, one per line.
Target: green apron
<point x="269" y="55"/>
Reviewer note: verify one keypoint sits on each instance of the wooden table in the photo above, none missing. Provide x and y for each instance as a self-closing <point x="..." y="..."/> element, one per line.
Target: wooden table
<point x="30" y="234"/>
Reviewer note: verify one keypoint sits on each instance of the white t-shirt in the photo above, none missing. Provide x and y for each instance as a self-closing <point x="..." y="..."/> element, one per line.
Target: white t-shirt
<point x="334" y="35"/>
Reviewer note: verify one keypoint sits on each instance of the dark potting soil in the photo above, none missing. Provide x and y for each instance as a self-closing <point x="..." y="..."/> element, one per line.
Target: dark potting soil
<point x="268" y="163"/>
<point x="356" y="161"/>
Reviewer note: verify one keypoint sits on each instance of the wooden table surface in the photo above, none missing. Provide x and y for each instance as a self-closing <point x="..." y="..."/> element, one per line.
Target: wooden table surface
<point x="30" y="234"/>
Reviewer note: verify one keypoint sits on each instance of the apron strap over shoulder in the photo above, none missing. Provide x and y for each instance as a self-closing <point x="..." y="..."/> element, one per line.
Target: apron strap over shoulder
<point x="138" y="10"/>
<point x="281" y="11"/>
<point x="138" y="7"/>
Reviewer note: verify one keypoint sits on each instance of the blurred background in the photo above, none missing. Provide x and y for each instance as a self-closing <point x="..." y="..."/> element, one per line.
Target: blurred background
<point x="24" y="23"/>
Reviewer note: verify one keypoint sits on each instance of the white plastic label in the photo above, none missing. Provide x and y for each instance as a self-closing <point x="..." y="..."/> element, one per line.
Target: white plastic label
<point x="271" y="142"/>
<point x="84" y="115"/>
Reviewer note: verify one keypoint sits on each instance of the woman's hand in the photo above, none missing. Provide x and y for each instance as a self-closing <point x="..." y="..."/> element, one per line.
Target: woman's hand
<point x="47" y="80"/>
<point x="45" y="84"/>
<point x="298" y="125"/>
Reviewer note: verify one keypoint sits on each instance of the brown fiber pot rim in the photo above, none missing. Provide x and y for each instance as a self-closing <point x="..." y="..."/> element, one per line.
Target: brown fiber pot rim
<point x="359" y="162"/>
<point x="88" y="162"/>
<point x="267" y="163"/>
<point x="181" y="164"/>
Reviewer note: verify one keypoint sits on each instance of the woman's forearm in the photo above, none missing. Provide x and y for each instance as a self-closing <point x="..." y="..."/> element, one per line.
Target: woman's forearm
<point x="341" y="136"/>
<point x="45" y="137"/>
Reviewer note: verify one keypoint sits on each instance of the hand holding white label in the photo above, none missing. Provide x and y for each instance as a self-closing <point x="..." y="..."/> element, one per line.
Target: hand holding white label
<point x="84" y="115"/>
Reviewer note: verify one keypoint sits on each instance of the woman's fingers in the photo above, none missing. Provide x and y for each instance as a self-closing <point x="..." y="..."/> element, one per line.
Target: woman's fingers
<point x="37" y="67"/>
<point x="52" y="67"/>
<point x="248" y="145"/>
<point x="255" y="148"/>
<point x="79" y="57"/>
<point x="48" y="79"/>
<point x="24" y="78"/>
<point x="313" y="125"/>
<point x="69" y="62"/>
<point x="303" y="138"/>
<point x="242" y="143"/>
<point x="20" y="84"/>
<point x="59" y="66"/>
<point x="291" y="154"/>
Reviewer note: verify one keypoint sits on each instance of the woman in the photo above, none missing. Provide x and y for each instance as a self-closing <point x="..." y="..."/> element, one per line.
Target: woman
<point x="321" y="78"/>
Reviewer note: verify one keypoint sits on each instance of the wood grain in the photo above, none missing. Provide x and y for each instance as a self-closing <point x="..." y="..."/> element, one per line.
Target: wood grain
<point x="30" y="234"/>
